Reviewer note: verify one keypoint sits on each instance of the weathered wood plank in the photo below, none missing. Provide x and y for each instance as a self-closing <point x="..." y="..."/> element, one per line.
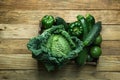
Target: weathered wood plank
<point x="33" y="16"/>
<point x="61" y="4"/>
<point x="110" y="32"/>
<point x="18" y="61"/>
<point x="110" y="47"/>
<point x="12" y="46"/>
<point x="108" y="75"/>
<point x="109" y="63"/>
<point x="8" y="46"/>
<point x="19" y="31"/>
<point x="59" y="75"/>
<point x="25" y="61"/>
<point x="66" y="74"/>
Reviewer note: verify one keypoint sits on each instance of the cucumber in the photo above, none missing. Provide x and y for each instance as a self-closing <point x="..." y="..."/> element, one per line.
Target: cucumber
<point x="82" y="57"/>
<point x="59" y="21"/>
<point x="94" y="32"/>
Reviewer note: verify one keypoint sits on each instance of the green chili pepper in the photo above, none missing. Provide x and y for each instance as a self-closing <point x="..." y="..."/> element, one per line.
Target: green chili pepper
<point x="47" y="21"/>
<point x="75" y="28"/>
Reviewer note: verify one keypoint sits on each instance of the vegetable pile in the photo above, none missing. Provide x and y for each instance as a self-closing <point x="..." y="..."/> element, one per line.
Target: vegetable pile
<point x="60" y="42"/>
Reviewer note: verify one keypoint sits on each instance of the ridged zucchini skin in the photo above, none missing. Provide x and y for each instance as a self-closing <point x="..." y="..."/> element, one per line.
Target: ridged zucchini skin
<point x="84" y="25"/>
<point x="90" y="20"/>
<point x="82" y="57"/>
<point x="94" y="32"/>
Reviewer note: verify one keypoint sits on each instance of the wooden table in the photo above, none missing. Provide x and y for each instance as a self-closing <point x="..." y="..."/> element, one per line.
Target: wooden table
<point x="19" y="22"/>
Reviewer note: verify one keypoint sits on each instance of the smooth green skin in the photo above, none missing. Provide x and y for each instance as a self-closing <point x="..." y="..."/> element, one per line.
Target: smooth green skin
<point x="95" y="51"/>
<point x="58" y="45"/>
<point x="94" y="32"/>
<point x="98" y="40"/>
<point x="84" y="25"/>
<point x="89" y="58"/>
<point x="90" y="20"/>
<point x="75" y="28"/>
<point x="47" y="21"/>
<point x="82" y="57"/>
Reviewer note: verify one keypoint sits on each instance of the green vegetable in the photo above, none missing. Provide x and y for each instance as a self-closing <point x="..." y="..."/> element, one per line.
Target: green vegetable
<point x="92" y="34"/>
<point x="95" y="51"/>
<point x="82" y="57"/>
<point x="61" y="21"/>
<point x="47" y="21"/>
<point x="98" y="40"/>
<point x="89" y="58"/>
<point x="75" y="28"/>
<point x="84" y="25"/>
<point x="90" y="20"/>
<point x="54" y="47"/>
<point x="60" y="42"/>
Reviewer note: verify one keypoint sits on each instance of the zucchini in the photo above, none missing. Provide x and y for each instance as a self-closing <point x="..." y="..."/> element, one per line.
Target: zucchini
<point x="82" y="57"/>
<point x="84" y="25"/>
<point x="94" y="32"/>
<point x="90" y="20"/>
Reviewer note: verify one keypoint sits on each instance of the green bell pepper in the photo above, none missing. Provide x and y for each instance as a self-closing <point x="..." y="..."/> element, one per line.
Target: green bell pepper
<point x="47" y="21"/>
<point x="75" y="28"/>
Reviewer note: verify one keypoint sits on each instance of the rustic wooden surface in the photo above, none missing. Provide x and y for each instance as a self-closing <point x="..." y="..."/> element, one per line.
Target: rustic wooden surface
<point x="19" y="21"/>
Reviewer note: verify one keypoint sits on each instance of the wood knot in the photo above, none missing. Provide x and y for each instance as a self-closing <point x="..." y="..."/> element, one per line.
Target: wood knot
<point x="3" y="28"/>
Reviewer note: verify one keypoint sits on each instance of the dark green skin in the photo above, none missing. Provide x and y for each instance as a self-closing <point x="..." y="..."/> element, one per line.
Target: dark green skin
<point x="82" y="57"/>
<point x="95" y="51"/>
<point x="75" y="29"/>
<point x="98" y="40"/>
<point x="47" y="21"/>
<point x="90" y="20"/>
<point x="89" y="58"/>
<point x="84" y="25"/>
<point x="61" y="21"/>
<point x="92" y="35"/>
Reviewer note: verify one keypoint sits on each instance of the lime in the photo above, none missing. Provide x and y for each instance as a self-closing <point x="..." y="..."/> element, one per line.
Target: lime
<point x="98" y="40"/>
<point x="95" y="51"/>
<point x="89" y="58"/>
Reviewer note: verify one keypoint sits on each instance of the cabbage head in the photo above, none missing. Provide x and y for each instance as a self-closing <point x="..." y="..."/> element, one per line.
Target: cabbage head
<point x="54" y="47"/>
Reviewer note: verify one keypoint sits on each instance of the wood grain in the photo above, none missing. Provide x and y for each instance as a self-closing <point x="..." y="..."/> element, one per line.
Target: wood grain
<point x="25" y="31"/>
<point x="61" y="4"/>
<point x="61" y="75"/>
<point x="109" y="63"/>
<point x="33" y="16"/>
<point x="66" y="74"/>
<point x="25" y="61"/>
<point x="110" y="48"/>
<point x="18" y="61"/>
<point x="19" y="21"/>
<point x="18" y="46"/>
<point x="18" y="31"/>
<point x="13" y="46"/>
